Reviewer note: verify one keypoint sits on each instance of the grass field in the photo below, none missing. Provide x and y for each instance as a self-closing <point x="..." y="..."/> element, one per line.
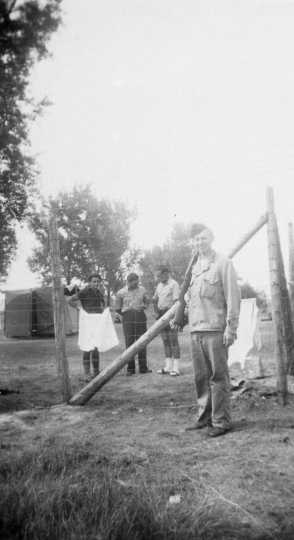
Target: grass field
<point x="123" y="467"/>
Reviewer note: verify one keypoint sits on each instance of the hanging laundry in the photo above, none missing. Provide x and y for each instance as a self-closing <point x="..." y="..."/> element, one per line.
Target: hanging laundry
<point x="97" y="330"/>
<point x="247" y="335"/>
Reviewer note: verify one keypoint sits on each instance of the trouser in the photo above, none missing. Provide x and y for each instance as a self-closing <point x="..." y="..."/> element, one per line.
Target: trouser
<point x="95" y="361"/>
<point x="212" y="381"/>
<point x="134" y="326"/>
<point x="170" y="340"/>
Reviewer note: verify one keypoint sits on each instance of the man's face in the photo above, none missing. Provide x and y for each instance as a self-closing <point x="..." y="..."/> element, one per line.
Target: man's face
<point x="163" y="277"/>
<point x="133" y="283"/>
<point x="94" y="283"/>
<point x="202" y="242"/>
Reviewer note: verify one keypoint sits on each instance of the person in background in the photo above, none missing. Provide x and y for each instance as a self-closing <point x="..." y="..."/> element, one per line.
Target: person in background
<point x="70" y="290"/>
<point x="92" y="300"/>
<point x="131" y="302"/>
<point x="213" y="300"/>
<point x="166" y="294"/>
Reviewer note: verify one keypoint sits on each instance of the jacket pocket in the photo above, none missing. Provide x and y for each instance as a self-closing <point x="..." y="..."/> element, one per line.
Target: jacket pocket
<point x="209" y="286"/>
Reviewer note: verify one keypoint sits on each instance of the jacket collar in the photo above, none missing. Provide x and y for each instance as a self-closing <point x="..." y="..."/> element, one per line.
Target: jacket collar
<point x="201" y="268"/>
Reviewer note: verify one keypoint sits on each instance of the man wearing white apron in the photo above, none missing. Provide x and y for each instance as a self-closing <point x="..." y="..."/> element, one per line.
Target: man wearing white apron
<point x="92" y="301"/>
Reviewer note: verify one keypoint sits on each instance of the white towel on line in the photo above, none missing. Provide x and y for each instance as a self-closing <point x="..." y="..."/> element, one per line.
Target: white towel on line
<point x="246" y="333"/>
<point x="97" y="330"/>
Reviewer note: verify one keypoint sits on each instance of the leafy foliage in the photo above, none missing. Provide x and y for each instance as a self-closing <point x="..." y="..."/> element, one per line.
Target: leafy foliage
<point x="93" y="236"/>
<point x="175" y="253"/>
<point x="25" y="28"/>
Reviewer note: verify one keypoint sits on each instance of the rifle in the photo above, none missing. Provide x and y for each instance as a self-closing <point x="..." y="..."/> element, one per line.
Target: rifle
<point x="178" y="320"/>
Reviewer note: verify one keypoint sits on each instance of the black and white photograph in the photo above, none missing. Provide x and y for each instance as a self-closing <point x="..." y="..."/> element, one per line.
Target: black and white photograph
<point x="146" y="270"/>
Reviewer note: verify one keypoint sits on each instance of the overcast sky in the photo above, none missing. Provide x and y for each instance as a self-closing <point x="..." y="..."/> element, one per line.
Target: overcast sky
<point x="183" y="108"/>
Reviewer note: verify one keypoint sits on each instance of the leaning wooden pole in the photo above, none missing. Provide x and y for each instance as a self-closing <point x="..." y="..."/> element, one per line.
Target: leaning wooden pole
<point x="276" y="296"/>
<point x="58" y="309"/>
<point x="92" y="387"/>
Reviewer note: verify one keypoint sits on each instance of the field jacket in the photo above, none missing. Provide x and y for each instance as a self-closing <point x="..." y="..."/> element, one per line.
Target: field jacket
<point x="213" y="297"/>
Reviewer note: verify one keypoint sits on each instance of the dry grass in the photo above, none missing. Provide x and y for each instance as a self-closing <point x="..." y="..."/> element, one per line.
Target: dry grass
<point x="108" y="470"/>
<point x="71" y="492"/>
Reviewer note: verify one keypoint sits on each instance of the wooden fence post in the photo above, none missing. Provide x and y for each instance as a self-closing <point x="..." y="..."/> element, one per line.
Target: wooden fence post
<point x="291" y="279"/>
<point x="275" y="264"/>
<point x="58" y="308"/>
<point x="291" y="264"/>
<point x="287" y="315"/>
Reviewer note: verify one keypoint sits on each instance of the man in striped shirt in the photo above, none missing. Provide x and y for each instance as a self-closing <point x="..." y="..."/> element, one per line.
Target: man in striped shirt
<point x="131" y="302"/>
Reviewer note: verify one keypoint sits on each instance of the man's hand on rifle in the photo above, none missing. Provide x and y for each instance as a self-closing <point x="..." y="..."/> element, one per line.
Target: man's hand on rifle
<point x="118" y="317"/>
<point x="175" y="326"/>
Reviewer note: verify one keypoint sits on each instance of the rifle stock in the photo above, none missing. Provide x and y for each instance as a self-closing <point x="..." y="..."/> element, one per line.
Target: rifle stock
<point x="179" y="316"/>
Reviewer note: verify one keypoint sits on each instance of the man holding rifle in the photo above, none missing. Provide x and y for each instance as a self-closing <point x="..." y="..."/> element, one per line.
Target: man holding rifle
<point x="213" y="301"/>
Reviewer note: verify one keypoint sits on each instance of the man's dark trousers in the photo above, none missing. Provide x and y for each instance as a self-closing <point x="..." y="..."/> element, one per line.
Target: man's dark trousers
<point x="134" y="326"/>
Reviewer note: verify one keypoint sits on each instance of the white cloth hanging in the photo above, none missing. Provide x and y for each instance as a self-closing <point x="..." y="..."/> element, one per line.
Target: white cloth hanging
<point x="96" y="330"/>
<point x="246" y="334"/>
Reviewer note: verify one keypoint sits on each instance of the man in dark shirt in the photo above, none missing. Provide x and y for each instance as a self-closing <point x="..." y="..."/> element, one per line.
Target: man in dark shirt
<point x="92" y="301"/>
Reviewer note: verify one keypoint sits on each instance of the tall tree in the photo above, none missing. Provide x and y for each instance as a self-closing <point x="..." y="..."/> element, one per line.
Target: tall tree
<point x="93" y="236"/>
<point x="25" y="28"/>
<point x="179" y="249"/>
<point x="148" y="262"/>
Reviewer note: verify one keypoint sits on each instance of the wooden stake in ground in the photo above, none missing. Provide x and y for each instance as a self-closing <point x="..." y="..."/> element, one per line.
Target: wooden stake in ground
<point x="291" y="264"/>
<point x="287" y="315"/>
<point x="93" y="386"/>
<point x="58" y="309"/>
<point x="275" y="265"/>
<point x="291" y="278"/>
